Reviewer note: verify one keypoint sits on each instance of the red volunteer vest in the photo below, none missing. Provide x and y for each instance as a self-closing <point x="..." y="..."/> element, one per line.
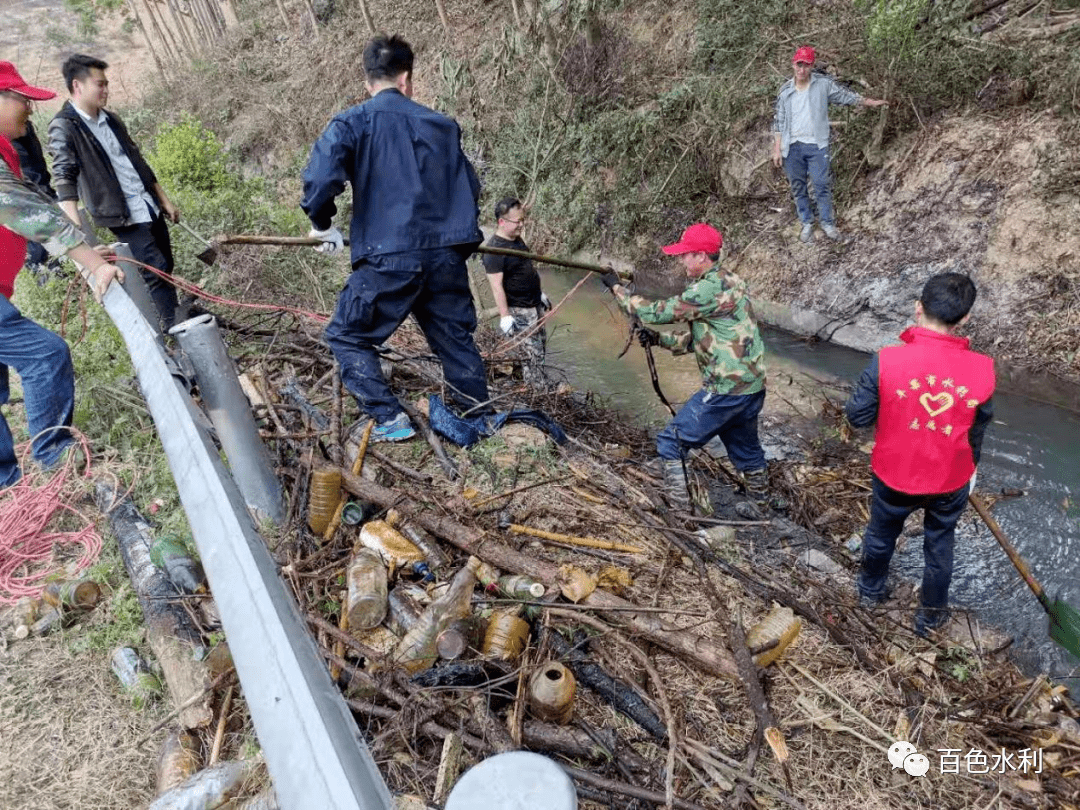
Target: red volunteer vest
<point x="928" y="392"/>
<point x="12" y="246"/>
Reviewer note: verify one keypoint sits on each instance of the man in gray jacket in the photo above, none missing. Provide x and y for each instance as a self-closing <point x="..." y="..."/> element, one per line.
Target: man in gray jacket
<point x="801" y="138"/>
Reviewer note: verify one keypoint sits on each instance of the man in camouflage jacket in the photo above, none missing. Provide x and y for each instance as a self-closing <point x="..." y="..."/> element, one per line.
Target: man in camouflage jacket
<point x="40" y="358"/>
<point x="725" y="340"/>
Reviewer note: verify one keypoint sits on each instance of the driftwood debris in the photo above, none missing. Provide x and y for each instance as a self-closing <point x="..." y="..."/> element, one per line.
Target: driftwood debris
<point x="699" y="650"/>
<point x="171" y="632"/>
<point x="618" y="694"/>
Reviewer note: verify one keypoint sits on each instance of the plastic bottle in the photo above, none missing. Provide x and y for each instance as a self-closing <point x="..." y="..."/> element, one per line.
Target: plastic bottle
<point x="436" y="557"/>
<point x="395" y="548"/>
<point x="402" y="610"/>
<point x="365" y="604"/>
<point x="551" y="693"/>
<point x="417" y="649"/>
<point x="780" y="625"/>
<point x="488" y="576"/>
<point x="506" y="636"/>
<point x="82" y="593"/>
<point x="521" y="587"/>
<point x="171" y="556"/>
<point x="135" y="676"/>
<point x="460" y="636"/>
<point x="324" y="497"/>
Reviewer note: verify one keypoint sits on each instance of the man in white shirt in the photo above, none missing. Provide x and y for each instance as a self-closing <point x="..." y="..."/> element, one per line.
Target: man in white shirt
<point x="94" y="159"/>
<point x="801" y="138"/>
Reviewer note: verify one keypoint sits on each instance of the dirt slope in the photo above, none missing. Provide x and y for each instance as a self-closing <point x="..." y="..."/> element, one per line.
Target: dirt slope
<point x="992" y="197"/>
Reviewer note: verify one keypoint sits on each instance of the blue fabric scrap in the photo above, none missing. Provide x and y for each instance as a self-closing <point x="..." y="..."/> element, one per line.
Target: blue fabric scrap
<point x="465" y="431"/>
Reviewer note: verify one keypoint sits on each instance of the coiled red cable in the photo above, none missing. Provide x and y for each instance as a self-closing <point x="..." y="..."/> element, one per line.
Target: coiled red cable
<point x="29" y="556"/>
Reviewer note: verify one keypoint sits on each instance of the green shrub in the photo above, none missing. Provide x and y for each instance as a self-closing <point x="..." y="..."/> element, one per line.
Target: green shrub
<point x="187" y="155"/>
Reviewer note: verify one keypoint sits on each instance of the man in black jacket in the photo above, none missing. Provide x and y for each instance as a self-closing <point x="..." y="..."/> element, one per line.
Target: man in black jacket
<point x="95" y="159"/>
<point x="414" y="223"/>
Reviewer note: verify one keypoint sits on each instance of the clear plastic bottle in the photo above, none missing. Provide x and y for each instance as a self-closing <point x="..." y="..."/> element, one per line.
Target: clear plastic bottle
<point x="402" y="610"/>
<point x="82" y="593"/>
<point x="520" y="586"/>
<point x="325" y="494"/>
<point x="395" y="548"/>
<point x="421" y="537"/>
<point x="365" y="602"/>
<point x="506" y="636"/>
<point x="417" y="649"/>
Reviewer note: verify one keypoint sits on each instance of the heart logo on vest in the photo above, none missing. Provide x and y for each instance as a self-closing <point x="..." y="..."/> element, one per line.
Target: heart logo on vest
<point x="937" y="403"/>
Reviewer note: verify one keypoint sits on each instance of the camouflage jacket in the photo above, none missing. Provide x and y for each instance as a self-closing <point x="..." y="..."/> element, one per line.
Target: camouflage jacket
<point x="723" y="333"/>
<point x="25" y="210"/>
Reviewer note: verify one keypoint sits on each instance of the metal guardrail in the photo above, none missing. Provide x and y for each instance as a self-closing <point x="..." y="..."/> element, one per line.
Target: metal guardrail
<point x="312" y="746"/>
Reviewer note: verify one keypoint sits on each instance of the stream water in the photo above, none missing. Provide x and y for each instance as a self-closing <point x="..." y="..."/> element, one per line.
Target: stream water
<point x="1031" y="446"/>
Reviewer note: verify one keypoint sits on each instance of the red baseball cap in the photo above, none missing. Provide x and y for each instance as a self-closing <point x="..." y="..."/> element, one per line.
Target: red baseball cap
<point x="805" y="54"/>
<point x="700" y="238"/>
<point x="11" y="80"/>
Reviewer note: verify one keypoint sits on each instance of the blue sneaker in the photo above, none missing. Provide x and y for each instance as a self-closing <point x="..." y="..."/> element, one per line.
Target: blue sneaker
<point x="397" y="429"/>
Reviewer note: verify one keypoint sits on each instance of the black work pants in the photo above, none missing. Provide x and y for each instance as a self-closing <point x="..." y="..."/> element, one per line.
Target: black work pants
<point x="150" y="244"/>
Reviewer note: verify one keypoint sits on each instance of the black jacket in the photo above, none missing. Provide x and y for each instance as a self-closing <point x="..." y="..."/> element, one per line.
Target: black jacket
<point x="413" y="188"/>
<point x="84" y="171"/>
<point x="32" y="160"/>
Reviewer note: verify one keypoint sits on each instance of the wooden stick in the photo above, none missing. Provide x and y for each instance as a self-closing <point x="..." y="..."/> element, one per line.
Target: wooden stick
<point x="398" y="467"/>
<point x="623" y="789"/>
<point x="587" y="542"/>
<point x="191" y="701"/>
<point x="490" y="498"/>
<point x="444" y="460"/>
<point x="219" y="735"/>
<point x="358" y="464"/>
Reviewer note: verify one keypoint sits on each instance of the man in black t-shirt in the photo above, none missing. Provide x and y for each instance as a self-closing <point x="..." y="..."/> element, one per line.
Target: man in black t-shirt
<point x="515" y="285"/>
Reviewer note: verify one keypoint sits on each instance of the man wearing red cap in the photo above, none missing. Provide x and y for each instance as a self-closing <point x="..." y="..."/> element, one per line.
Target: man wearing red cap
<point x="40" y="358"/>
<point x="801" y="138"/>
<point x="730" y="353"/>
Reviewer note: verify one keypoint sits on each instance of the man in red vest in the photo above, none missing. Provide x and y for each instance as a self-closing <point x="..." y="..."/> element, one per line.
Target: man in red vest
<point x="40" y="357"/>
<point x="932" y="400"/>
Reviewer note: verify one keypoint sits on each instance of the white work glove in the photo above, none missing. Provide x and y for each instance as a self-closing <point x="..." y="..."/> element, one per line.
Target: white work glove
<point x="545" y="302"/>
<point x="332" y="240"/>
<point x="506" y="324"/>
<point x="971" y="483"/>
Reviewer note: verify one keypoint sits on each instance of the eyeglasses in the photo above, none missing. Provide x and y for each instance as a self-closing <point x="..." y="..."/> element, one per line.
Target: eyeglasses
<point x="803" y="64"/>
<point x="521" y="221"/>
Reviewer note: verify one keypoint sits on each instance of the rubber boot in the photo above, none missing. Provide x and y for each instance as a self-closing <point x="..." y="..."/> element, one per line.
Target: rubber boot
<point x="678" y="494"/>
<point x="757" y="485"/>
<point x="757" y="491"/>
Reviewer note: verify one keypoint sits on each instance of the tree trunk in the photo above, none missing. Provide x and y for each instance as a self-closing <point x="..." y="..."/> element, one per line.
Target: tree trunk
<point x="151" y="45"/>
<point x="162" y="29"/>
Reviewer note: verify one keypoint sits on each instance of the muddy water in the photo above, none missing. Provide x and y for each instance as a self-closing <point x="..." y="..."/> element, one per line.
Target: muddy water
<point x="1031" y="446"/>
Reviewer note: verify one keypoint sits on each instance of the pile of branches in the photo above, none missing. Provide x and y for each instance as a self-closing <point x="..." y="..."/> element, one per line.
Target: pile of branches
<point x="672" y="706"/>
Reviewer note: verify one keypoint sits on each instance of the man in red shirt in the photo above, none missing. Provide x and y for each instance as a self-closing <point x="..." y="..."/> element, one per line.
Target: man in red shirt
<point x="932" y="400"/>
<point x="40" y="358"/>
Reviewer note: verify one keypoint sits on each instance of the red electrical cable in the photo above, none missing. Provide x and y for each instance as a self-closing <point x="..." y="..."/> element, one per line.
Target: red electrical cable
<point x="28" y="551"/>
<point x="183" y="284"/>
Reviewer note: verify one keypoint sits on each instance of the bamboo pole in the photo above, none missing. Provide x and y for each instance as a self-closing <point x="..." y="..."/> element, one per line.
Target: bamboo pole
<point x="587" y="542"/>
<point x="150" y="44"/>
